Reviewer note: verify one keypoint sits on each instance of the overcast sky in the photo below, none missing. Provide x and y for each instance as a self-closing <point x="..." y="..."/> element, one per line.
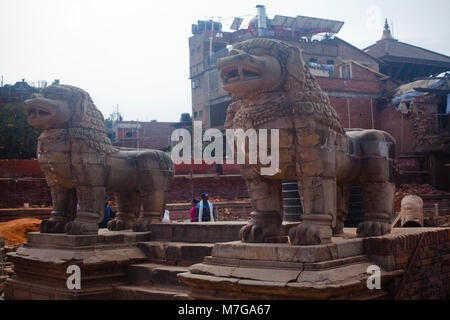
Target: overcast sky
<point x="135" y="53"/>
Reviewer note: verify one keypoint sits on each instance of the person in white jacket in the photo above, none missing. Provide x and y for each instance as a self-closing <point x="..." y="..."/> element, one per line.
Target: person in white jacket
<point x="205" y="210"/>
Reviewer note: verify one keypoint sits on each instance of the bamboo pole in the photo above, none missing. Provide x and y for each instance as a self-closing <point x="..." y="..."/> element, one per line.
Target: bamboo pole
<point x="401" y="133"/>
<point x="371" y="113"/>
<point x="348" y="113"/>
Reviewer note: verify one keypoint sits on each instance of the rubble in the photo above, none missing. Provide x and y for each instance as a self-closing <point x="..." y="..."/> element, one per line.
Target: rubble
<point x="414" y="189"/>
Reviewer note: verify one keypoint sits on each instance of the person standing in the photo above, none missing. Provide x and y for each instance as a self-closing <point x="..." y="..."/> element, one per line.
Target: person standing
<point x="193" y="211"/>
<point x="109" y="215"/>
<point x="205" y="210"/>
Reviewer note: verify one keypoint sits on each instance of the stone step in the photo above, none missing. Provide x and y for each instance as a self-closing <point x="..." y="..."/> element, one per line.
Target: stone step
<point x="151" y="273"/>
<point x="336" y="263"/>
<point x="151" y="292"/>
<point x="205" y="232"/>
<point x="176" y="253"/>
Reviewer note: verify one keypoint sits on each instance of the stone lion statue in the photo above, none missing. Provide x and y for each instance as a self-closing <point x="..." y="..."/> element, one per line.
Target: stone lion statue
<point x="272" y="88"/>
<point x="80" y="163"/>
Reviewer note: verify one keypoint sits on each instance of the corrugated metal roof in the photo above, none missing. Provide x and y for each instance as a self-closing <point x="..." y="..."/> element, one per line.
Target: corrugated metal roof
<point x="308" y="23"/>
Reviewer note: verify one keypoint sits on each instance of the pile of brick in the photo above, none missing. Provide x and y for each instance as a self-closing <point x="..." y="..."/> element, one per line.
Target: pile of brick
<point x="7" y="270"/>
<point x="414" y="189"/>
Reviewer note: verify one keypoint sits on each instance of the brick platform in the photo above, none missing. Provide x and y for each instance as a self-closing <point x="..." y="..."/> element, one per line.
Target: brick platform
<point x="333" y="271"/>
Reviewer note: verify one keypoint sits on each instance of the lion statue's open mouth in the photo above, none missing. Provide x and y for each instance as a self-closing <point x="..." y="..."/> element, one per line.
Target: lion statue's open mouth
<point x="272" y="88"/>
<point x="80" y="164"/>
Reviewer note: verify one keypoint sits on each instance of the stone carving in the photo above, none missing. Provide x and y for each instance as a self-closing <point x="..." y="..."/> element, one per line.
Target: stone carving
<point x="80" y="163"/>
<point x="412" y="211"/>
<point x="271" y="88"/>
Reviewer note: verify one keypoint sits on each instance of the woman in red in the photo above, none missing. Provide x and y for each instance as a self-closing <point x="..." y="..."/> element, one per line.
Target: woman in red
<point x="193" y="210"/>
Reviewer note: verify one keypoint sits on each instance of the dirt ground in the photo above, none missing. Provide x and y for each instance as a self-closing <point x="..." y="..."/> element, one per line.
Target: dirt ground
<point x="15" y="231"/>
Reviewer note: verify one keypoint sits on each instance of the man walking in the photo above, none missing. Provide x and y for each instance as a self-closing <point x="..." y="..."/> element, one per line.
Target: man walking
<point x="205" y="210"/>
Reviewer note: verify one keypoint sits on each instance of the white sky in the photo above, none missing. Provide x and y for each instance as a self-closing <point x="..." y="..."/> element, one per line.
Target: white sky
<point x="135" y="53"/>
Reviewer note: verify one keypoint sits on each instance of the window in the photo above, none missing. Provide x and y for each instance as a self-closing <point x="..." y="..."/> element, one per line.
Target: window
<point x="129" y="134"/>
<point x="192" y="52"/>
<point x="346" y="71"/>
<point x="200" y="114"/>
<point x="198" y="49"/>
<point x="314" y="60"/>
<point x="330" y="61"/>
<point x="195" y="115"/>
<point x="195" y="83"/>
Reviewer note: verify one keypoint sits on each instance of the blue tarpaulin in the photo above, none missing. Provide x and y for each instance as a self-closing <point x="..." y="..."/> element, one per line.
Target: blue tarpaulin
<point x="407" y="92"/>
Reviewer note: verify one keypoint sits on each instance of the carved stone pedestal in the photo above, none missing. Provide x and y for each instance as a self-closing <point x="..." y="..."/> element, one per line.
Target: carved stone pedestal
<point x="281" y="271"/>
<point x="41" y="265"/>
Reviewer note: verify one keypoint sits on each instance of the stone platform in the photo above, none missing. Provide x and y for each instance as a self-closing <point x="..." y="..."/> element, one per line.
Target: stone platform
<point x="41" y="264"/>
<point x="204" y="232"/>
<point x="333" y="271"/>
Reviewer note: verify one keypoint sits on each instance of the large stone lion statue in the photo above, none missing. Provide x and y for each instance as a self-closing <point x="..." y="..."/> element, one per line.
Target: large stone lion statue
<point x="80" y="163"/>
<point x="272" y="88"/>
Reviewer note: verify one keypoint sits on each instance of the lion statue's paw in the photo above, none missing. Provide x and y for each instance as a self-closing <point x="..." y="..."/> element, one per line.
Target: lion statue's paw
<point x="373" y="229"/>
<point x="251" y="233"/>
<point x="142" y="225"/>
<point x="310" y="234"/>
<point x="262" y="225"/>
<point x="119" y="224"/>
<point x="81" y="228"/>
<point x="53" y="226"/>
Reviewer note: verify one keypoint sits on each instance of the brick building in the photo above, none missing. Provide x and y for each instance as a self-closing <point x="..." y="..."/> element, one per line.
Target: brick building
<point x="147" y="135"/>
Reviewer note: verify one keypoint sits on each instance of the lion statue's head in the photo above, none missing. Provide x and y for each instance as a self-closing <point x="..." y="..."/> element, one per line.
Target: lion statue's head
<point x="261" y="65"/>
<point x="268" y="79"/>
<point x="71" y="108"/>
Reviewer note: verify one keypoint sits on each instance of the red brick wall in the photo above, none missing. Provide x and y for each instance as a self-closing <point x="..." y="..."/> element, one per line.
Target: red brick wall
<point x="21" y="181"/>
<point x="218" y="187"/>
<point x="15" y="192"/>
<point x="429" y="277"/>
<point x="20" y="169"/>
<point x="360" y="112"/>
<point x="390" y="120"/>
<point x="350" y="85"/>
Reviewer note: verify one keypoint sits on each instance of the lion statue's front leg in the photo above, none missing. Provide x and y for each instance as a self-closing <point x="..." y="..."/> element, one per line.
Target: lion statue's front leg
<point x="91" y="211"/>
<point x="128" y="208"/>
<point x="64" y="210"/>
<point x="265" y="221"/>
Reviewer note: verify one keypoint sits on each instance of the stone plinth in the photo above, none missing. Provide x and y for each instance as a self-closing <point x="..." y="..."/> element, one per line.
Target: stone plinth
<point x="332" y="271"/>
<point x="41" y="264"/>
<point x="204" y="232"/>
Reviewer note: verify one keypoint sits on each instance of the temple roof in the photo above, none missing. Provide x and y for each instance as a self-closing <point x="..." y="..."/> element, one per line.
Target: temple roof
<point x="389" y="48"/>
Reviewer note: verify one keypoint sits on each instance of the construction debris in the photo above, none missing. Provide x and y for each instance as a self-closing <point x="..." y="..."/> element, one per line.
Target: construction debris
<point x="414" y="189"/>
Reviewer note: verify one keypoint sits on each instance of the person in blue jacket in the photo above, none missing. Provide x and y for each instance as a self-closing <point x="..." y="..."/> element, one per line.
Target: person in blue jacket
<point x="109" y="215"/>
